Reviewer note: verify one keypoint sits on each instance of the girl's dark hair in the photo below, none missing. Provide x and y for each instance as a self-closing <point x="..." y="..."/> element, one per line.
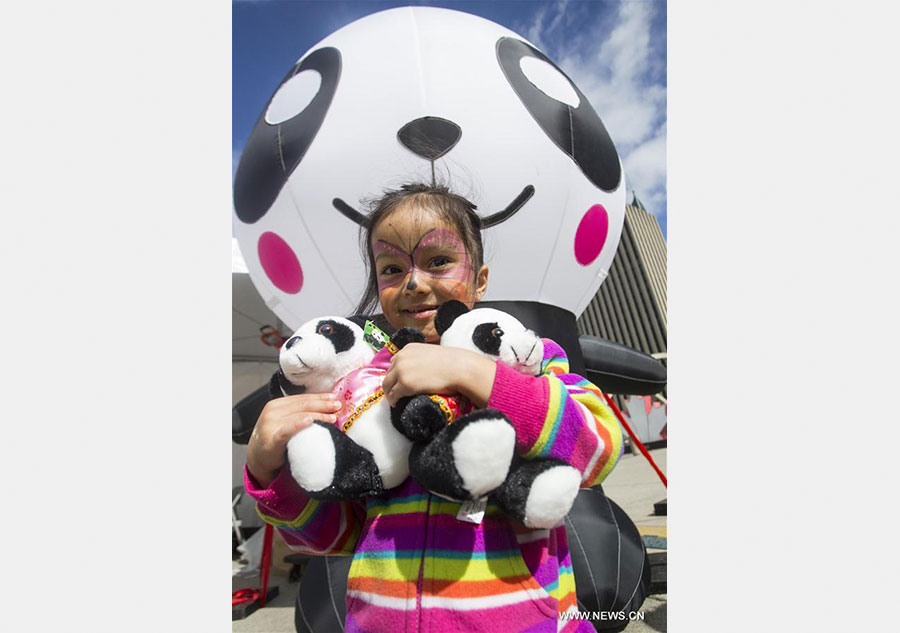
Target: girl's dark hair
<point x="452" y="208"/>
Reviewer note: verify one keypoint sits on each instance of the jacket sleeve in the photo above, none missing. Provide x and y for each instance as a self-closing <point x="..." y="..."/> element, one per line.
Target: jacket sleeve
<point x="307" y="525"/>
<point x="559" y="415"/>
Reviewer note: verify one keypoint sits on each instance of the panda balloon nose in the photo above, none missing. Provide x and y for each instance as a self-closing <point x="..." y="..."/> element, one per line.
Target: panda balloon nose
<point x="429" y="137"/>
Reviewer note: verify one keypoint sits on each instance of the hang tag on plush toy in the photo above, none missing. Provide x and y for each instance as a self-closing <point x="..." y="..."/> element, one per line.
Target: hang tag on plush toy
<point x="376" y="337"/>
<point x="472" y="511"/>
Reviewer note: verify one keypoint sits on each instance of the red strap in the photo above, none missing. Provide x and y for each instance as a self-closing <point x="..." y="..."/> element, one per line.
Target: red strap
<point x="244" y="595"/>
<point x="265" y="563"/>
<point x="635" y="439"/>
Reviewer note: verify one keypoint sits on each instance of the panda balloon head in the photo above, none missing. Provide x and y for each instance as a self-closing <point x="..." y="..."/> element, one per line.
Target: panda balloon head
<point x="422" y="94"/>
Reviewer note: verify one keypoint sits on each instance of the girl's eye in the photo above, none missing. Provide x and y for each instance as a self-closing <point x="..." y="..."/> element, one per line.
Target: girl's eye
<point x="390" y="270"/>
<point x="437" y="262"/>
<point x="325" y="329"/>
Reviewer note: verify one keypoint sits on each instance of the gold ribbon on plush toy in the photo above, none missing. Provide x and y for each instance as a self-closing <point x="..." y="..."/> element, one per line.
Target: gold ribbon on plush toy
<point x="452" y="407"/>
<point x="366" y="404"/>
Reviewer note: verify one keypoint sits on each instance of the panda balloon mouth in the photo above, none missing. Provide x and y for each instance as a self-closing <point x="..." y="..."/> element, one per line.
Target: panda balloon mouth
<point x="486" y="222"/>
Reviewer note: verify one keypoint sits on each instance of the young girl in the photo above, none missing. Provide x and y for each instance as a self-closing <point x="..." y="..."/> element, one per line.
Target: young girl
<point x="416" y="566"/>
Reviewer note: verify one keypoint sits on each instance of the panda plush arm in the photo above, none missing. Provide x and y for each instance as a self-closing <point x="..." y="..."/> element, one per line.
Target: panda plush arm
<point x="559" y="415"/>
<point x="306" y="524"/>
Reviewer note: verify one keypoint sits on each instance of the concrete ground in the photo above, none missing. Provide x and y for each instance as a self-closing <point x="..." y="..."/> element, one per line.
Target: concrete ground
<point x="633" y="484"/>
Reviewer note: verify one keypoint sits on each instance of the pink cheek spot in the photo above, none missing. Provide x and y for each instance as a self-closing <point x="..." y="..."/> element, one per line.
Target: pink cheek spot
<point x="280" y="263"/>
<point x="591" y="235"/>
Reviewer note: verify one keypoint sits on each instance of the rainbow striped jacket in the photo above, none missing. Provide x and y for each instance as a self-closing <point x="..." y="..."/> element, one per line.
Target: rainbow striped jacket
<point x="417" y="568"/>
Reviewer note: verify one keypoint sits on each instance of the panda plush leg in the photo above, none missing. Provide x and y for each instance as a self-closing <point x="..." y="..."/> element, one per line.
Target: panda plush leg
<point x="330" y="466"/>
<point x="467" y="459"/>
<point x="539" y="493"/>
<point x="419" y="418"/>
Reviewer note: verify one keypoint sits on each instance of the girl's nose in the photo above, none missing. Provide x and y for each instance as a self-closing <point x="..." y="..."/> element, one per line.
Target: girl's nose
<point x="413" y="282"/>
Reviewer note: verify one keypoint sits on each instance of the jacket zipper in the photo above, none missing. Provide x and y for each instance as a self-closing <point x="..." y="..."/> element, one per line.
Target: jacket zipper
<point x="421" y="580"/>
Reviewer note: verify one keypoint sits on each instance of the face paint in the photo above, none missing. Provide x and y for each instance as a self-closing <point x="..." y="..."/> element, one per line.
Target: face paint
<point x="439" y="254"/>
<point x="392" y="264"/>
<point x="420" y="263"/>
<point x="442" y="241"/>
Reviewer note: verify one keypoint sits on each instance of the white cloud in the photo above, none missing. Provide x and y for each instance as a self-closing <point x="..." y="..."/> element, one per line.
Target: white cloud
<point x="646" y="164"/>
<point x="538" y="30"/>
<point x="608" y="52"/>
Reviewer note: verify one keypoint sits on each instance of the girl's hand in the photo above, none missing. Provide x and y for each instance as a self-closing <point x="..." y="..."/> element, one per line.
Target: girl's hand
<point x="279" y="421"/>
<point x="421" y="368"/>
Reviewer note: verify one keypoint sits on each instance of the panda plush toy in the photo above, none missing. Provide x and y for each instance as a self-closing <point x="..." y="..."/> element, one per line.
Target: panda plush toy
<point x="362" y="454"/>
<point x="537" y="492"/>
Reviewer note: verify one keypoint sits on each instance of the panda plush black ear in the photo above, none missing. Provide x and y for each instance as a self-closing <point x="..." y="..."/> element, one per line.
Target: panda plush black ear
<point x="447" y="314"/>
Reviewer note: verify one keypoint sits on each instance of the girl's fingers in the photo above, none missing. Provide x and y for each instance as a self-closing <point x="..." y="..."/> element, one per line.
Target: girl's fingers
<point x="308" y="419"/>
<point x="388" y="383"/>
<point x="316" y="403"/>
<point x="307" y="398"/>
<point x="320" y="406"/>
<point x="298" y="424"/>
<point x="395" y="392"/>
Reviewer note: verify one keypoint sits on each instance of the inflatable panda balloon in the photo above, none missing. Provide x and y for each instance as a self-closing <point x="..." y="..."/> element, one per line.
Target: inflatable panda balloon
<point x="418" y="94"/>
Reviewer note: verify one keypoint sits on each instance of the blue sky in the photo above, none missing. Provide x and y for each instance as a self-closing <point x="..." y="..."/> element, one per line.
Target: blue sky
<point x="614" y="51"/>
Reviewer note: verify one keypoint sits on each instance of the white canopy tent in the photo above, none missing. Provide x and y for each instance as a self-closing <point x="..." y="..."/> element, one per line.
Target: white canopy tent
<point x="252" y="362"/>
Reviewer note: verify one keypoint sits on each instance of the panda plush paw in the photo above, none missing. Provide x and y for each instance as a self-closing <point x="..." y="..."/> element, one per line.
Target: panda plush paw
<point x="467" y="459"/>
<point x="406" y="335"/>
<point x="419" y="418"/>
<point x="330" y="466"/>
<point x="539" y="493"/>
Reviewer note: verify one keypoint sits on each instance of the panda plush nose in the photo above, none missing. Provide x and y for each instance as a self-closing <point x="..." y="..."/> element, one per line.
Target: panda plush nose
<point x="429" y="137"/>
<point x="291" y="342"/>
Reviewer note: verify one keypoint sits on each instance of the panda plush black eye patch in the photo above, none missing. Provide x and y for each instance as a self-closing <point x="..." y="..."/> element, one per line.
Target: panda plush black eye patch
<point x="577" y="131"/>
<point x="484" y="338"/>
<point x="341" y="336"/>
<point x="274" y="151"/>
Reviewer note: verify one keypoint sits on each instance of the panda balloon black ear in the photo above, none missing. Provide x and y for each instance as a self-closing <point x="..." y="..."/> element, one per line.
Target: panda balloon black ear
<point x="447" y="314"/>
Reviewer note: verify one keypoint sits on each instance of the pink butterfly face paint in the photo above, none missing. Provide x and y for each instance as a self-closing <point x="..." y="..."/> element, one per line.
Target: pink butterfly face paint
<point x="439" y="254"/>
<point x="419" y="264"/>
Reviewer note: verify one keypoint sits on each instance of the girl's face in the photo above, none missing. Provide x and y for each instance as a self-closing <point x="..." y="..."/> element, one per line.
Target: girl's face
<point x="420" y="262"/>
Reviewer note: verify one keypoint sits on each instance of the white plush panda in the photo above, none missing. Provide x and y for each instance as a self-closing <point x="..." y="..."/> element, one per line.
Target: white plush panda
<point x="537" y="492"/>
<point x="367" y="457"/>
